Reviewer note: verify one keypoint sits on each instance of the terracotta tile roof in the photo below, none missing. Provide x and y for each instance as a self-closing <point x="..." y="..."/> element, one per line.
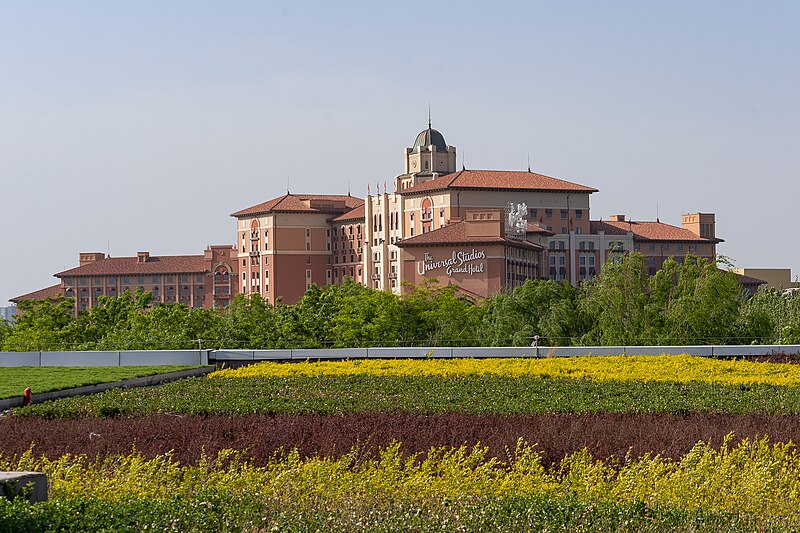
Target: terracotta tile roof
<point x="48" y="292"/>
<point x="296" y="203"/>
<point x="748" y="280"/>
<point x="119" y="266"/>
<point x="498" y="179"/>
<point x="355" y="214"/>
<point x="456" y="234"/>
<point x="536" y="228"/>
<point x="648" y="231"/>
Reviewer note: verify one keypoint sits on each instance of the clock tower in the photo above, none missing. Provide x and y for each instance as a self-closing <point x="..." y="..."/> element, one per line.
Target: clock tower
<point x="429" y="158"/>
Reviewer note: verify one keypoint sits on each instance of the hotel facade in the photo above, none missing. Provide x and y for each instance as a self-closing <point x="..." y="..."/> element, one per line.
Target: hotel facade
<point x="483" y="230"/>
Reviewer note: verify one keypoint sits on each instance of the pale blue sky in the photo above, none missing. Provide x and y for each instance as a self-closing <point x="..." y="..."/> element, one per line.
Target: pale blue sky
<point x="141" y="125"/>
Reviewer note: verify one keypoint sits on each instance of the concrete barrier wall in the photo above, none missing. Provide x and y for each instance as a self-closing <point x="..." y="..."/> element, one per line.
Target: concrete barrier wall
<point x="203" y="357"/>
<point x="159" y="357"/>
<point x="272" y="355"/>
<point x="333" y="353"/>
<point x="701" y="351"/>
<point x="80" y="359"/>
<point x="495" y="352"/>
<point x="19" y="359"/>
<point x="409" y="353"/>
<point x="110" y="358"/>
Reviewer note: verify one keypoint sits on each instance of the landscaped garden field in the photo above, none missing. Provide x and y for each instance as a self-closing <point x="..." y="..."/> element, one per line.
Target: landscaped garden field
<point x="13" y="380"/>
<point x="629" y="443"/>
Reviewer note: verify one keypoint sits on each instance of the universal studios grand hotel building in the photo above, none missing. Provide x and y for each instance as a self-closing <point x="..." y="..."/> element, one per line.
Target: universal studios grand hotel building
<point x="483" y="230"/>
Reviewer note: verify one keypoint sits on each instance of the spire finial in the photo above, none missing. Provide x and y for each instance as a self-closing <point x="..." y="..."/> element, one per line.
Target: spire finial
<point x="429" y="114"/>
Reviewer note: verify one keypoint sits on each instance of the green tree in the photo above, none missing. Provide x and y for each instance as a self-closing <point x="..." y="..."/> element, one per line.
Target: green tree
<point x="43" y="325"/>
<point x="544" y="308"/>
<point x="615" y="302"/>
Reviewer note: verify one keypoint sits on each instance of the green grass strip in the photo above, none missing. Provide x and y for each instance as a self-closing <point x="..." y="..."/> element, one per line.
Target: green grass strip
<point x="13" y="380"/>
<point x="422" y="394"/>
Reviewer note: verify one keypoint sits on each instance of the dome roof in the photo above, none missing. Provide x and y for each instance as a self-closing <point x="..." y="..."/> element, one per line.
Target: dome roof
<point x="429" y="137"/>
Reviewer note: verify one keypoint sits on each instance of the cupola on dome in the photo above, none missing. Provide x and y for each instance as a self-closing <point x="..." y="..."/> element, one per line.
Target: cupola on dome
<point x="429" y="137"/>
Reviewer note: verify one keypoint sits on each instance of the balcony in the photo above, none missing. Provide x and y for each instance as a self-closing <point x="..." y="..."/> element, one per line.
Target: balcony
<point x="376" y="277"/>
<point x="254" y="253"/>
<point x="392" y="275"/>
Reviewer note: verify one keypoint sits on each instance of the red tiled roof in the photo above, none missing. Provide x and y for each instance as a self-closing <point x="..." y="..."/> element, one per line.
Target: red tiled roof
<point x="164" y="264"/>
<point x="48" y="292"/>
<point x="648" y="231"/>
<point x="536" y="228"/>
<point x="498" y="179"/>
<point x="295" y="203"/>
<point x="456" y="234"/>
<point x="748" y="280"/>
<point x="355" y="214"/>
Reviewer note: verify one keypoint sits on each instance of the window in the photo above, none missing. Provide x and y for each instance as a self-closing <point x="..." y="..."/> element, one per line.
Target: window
<point x="170" y="279"/>
<point x="552" y="260"/>
<point x="244" y="276"/>
<point x="636" y="246"/>
<point x="184" y="278"/>
<point x="666" y="247"/>
<point x="308" y="232"/>
<point x="560" y="245"/>
<point x="563" y="230"/>
<point x="591" y="245"/>
<point x="579" y="214"/>
<point x="199" y="278"/>
<point x="651" y="246"/>
<point x="98" y="281"/>
<point x="680" y="247"/>
<point x="552" y="245"/>
<point x="591" y="260"/>
<point x="562" y="260"/>
<point x="140" y="279"/>
<point x="582" y="245"/>
<point x="548" y="213"/>
<point x="155" y="279"/>
<point x="578" y="230"/>
<point x="692" y="247"/>
<point x="582" y="260"/>
<point x="564" y="214"/>
<point x="533" y="212"/>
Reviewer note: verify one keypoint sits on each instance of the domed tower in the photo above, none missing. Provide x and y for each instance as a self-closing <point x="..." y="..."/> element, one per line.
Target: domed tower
<point x="430" y="156"/>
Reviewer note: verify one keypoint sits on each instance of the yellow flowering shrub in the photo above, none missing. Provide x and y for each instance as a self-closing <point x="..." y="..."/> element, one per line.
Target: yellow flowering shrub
<point x="679" y="368"/>
<point x="754" y="477"/>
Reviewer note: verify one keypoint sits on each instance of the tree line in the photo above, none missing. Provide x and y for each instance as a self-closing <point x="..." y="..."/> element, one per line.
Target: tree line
<point x="693" y="302"/>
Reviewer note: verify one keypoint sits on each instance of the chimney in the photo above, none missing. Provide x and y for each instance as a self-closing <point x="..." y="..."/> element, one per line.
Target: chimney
<point x="617" y="218"/>
<point x="142" y="257"/>
<point x="90" y="257"/>
<point x="701" y="224"/>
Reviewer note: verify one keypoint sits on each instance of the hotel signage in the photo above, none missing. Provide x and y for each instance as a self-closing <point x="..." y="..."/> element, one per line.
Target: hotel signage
<point x="458" y="263"/>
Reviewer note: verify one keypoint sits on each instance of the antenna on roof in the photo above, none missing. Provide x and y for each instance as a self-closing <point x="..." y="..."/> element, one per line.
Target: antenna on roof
<point x="348" y="187"/>
<point x="287" y="185"/>
<point x="529" y="161"/>
<point x="464" y="160"/>
<point x="657" y="219"/>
